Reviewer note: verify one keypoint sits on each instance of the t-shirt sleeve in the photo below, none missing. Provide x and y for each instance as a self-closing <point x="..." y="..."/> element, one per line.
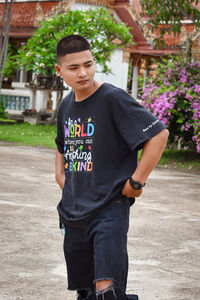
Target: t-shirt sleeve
<point x="59" y="140"/>
<point x="135" y="123"/>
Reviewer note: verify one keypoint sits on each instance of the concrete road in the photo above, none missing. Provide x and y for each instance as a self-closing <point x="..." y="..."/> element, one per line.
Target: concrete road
<point x="164" y="236"/>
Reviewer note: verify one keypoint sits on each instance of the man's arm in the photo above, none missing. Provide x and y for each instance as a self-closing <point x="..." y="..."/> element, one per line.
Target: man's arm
<point x="59" y="169"/>
<point x="151" y="154"/>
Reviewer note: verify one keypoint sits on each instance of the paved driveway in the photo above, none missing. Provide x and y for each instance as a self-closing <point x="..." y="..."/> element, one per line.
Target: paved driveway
<point x="164" y="236"/>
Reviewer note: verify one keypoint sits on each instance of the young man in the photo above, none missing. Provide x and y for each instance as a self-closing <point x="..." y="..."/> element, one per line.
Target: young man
<point x="100" y="128"/>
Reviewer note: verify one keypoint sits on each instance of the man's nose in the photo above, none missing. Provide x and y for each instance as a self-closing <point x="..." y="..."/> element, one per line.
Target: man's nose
<point x="82" y="72"/>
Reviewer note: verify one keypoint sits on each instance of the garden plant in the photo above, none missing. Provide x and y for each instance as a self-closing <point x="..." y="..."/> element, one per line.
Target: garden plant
<point x="101" y="29"/>
<point x="166" y="17"/>
<point x="173" y="95"/>
<point x="103" y="32"/>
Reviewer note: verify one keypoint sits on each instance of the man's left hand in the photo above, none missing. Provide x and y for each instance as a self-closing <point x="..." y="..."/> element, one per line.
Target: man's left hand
<point x="129" y="192"/>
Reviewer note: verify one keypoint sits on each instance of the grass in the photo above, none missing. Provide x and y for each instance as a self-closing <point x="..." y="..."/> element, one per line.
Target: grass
<point x="181" y="159"/>
<point x="44" y="135"/>
<point x="29" y="135"/>
<point x="7" y="121"/>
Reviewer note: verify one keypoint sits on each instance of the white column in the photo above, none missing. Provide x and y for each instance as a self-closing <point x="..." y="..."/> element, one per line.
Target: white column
<point x="134" y="90"/>
<point x="22" y="75"/>
<point x="41" y="100"/>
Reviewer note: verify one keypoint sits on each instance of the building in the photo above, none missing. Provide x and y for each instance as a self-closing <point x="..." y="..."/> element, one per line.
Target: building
<point x="26" y="16"/>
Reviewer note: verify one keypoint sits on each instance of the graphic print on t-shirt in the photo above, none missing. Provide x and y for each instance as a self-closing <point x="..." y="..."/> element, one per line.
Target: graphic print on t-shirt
<point x="79" y="138"/>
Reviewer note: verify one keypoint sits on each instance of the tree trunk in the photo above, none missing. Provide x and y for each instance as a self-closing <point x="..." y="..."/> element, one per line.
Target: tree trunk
<point x="189" y="49"/>
<point x="5" y="43"/>
<point x="3" y="23"/>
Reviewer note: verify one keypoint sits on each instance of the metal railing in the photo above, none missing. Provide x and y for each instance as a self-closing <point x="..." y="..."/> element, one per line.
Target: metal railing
<point x="15" y="102"/>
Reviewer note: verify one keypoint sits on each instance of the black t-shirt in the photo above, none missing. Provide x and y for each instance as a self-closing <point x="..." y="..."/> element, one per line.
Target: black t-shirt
<point x="99" y="138"/>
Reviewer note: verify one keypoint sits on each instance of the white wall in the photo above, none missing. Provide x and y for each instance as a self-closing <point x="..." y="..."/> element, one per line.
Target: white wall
<point x="79" y="6"/>
<point x="119" y="69"/>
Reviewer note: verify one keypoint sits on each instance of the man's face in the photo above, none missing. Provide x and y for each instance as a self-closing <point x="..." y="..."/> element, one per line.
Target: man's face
<point x="77" y="70"/>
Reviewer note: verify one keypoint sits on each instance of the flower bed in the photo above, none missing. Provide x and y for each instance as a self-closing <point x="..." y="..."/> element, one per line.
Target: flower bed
<point x="173" y="95"/>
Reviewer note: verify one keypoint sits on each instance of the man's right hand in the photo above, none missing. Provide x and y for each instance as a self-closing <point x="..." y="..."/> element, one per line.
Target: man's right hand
<point x="59" y="169"/>
<point x="60" y="179"/>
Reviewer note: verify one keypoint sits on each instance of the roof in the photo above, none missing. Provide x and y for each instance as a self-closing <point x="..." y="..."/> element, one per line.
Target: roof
<point x="24" y="13"/>
<point x="143" y="45"/>
<point x="23" y="16"/>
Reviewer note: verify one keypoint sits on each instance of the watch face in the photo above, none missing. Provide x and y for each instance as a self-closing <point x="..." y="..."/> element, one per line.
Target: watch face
<point x="136" y="185"/>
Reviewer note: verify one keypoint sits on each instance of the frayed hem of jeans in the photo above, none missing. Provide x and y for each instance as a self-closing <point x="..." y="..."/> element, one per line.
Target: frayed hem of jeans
<point x="103" y="278"/>
<point x="79" y="289"/>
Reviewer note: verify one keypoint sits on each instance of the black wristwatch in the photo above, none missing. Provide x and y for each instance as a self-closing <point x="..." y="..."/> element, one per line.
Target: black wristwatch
<point x="136" y="185"/>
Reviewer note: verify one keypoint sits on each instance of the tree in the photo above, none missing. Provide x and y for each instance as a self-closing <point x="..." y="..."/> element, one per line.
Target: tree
<point x="167" y="15"/>
<point x="4" y="41"/>
<point x="97" y="25"/>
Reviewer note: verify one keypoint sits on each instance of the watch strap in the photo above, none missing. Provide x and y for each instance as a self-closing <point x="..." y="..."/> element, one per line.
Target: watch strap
<point x="136" y="185"/>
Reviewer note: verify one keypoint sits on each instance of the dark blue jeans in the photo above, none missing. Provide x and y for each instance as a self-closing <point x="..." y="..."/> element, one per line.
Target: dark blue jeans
<point x="98" y="250"/>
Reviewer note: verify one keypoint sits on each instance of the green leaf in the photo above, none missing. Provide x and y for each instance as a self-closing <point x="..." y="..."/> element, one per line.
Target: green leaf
<point x="97" y="25"/>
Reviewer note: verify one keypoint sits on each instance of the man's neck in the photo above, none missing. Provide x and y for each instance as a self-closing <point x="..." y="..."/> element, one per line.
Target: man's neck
<point x="84" y="94"/>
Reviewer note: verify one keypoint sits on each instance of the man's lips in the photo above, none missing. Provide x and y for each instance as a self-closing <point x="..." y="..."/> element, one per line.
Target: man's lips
<point x="82" y="81"/>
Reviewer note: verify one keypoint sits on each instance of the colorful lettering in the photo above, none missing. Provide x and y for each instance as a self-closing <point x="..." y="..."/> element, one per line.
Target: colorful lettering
<point x="89" y="166"/>
<point x="82" y="131"/>
<point x="78" y="154"/>
<point x="90" y="129"/>
<point x="77" y="132"/>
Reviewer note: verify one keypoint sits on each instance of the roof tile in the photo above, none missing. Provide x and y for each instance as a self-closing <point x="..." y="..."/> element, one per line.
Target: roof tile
<point x="24" y="14"/>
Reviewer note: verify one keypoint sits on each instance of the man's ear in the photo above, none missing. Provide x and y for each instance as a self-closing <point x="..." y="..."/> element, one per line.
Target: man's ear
<point x="57" y="67"/>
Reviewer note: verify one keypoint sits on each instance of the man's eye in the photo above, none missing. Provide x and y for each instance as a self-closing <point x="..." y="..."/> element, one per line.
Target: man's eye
<point x="89" y="65"/>
<point x="74" y="68"/>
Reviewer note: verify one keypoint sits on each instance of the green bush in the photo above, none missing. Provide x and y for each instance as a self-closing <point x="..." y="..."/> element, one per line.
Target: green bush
<point x="2" y="110"/>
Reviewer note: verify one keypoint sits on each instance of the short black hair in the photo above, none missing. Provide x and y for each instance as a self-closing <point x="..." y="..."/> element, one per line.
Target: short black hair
<point x="71" y="44"/>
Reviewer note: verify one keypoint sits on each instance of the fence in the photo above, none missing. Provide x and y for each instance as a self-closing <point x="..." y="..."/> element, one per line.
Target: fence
<point x="15" y="100"/>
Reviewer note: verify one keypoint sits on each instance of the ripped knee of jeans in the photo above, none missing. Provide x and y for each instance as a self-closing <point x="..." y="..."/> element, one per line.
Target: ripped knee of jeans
<point x="107" y="293"/>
